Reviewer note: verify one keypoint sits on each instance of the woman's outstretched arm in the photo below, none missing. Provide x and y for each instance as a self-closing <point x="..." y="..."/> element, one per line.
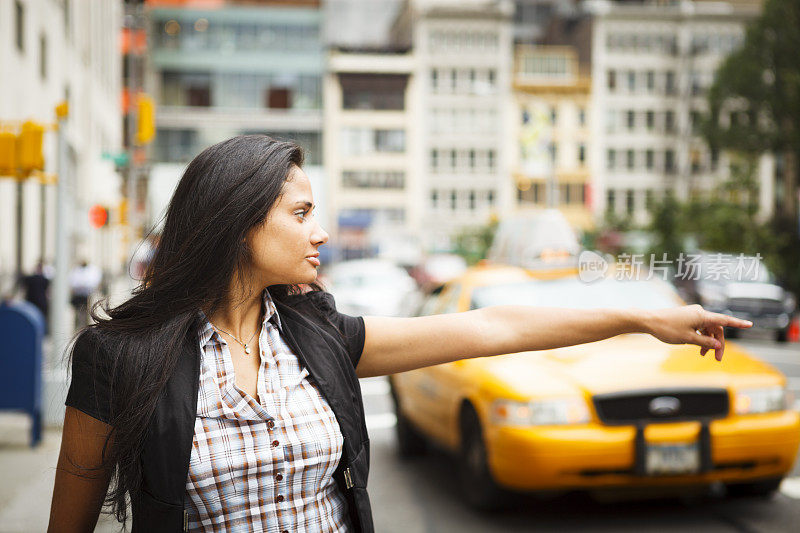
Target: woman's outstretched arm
<point x="81" y="484"/>
<point x="401" y="344"/>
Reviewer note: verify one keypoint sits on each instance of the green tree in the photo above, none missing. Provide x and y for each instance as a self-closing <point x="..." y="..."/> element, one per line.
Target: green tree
<point x="754" y="103"/>
<point x="473" y="243"/>
<point x="754" y="107"/>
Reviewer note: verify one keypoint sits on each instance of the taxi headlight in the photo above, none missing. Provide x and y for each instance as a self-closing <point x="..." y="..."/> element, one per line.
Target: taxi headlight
<point x="764" y="400"/>
<point x="557" y="411"/>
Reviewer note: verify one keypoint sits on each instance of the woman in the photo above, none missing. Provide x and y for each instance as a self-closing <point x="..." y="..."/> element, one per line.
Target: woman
<point x="222" y="397"/>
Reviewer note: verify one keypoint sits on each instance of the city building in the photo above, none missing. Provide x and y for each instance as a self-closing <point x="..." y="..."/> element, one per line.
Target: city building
<point x="369" y="122"/>
<point x="234" y="67"/>
<point x="51" y="52"/>
<point x="462" y="97"/>
<point x="552" y="109"/>
<point x="652" y="63"/>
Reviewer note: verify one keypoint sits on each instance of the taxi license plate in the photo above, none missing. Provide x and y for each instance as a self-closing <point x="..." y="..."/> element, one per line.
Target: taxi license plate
<point x="672" y="459"/>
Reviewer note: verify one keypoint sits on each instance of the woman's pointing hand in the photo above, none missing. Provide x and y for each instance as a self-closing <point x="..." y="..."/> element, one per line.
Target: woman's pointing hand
<point x="691" y="324"/>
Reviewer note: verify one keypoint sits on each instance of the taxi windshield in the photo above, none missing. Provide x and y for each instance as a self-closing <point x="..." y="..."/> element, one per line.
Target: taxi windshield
<point x="575" y="294"/>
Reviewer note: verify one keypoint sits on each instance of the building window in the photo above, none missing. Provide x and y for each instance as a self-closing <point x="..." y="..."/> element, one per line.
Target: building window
<point x="186" y="88"/>
<point x="611" y="201"/>
<point x="670" y="86"/>
<point x="553" y="149"/>
<point x="630" y="159"/>
<point x="472" y="200"/>
<point x="612" y="80"/>
<point x="651" y="119"/>
<point x="611" y="120"/>
<point x="694" y="117"/>
<point x="43" y="56"/>
<point x="630" y="119"/>
<point x="453" y="159"/>
<point x="611" y="159"/>
<point x="434" y="198"/>
<point x="490" y="197"/>
<point x="373" y="179"/>
<point x="669" y="121"/>
<point x="364" y="141"/>
<point x="649" y="198"/>
<point x="453" y="200"/>
<point x="582" y="153"/>
<point x="373" y="91"/>
<point x="582" y="117"/>
<point x="631" y="81"/>
<point x="695" y="160"/>
<point x="553" y="115"/>
<point x="490" y="159"/>
<point x="435" y="160"/>
<point x="435" y="80"/>
<point x="629" y="201"/>
<point x="651" y="81"/>
<point x="649" y="158"/>
<point x="669" y="161"/>
<point x="19" y="25"/>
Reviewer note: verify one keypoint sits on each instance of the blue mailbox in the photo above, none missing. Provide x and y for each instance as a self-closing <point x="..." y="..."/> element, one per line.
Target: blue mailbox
<point x="22" y="331"/>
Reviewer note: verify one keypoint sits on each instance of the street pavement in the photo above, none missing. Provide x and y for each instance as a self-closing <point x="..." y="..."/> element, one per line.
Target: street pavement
<point x="421" y="495"/>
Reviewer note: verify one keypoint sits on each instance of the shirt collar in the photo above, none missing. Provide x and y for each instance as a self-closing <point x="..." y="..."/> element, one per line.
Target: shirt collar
<point x="207" y="331"/>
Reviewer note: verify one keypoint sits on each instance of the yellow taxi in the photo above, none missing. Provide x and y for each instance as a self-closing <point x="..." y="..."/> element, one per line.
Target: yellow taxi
<point x="624" y="412"/>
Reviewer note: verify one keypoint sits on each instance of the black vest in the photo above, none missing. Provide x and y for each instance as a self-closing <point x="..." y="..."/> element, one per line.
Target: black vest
<point x="320" y="348"/>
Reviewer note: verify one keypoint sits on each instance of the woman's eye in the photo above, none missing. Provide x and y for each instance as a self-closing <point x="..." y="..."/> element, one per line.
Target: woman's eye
<point x="302" y="214"/>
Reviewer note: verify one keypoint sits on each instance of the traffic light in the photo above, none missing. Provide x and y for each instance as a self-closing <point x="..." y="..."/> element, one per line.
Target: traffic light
<point x="146" y="126"/>
<point x="30" y="155"/>
<point x="8" y="153"/>
<point x="98" y="216"/>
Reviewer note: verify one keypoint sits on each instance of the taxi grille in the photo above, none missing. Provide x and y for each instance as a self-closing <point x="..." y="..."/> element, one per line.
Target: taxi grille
<point x="654" y="405"/>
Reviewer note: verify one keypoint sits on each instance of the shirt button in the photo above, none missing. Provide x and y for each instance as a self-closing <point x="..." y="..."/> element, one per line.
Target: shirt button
<point x="279" y="477"/>
<point x="279" y="499"/>
<point x="275" y="444"/>
<point x="270" y="423"/>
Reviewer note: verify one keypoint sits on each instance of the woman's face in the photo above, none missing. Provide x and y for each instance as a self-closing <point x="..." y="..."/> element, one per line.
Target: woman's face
<point x="285" y="247"/>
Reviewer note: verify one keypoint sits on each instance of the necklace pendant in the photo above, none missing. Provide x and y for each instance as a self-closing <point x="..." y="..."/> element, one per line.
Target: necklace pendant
<point x="246" y="349"/>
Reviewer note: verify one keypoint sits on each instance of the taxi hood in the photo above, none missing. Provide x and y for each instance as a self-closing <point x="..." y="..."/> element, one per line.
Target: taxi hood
<point x="626" y="362"/>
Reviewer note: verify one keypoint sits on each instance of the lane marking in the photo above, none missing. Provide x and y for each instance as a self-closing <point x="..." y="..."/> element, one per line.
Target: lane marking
<point x="381" y="421"/>
<point x="791" y="487"/>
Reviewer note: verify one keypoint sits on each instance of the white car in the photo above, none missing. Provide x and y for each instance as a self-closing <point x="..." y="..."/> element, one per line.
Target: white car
<point x="372" y="287"/>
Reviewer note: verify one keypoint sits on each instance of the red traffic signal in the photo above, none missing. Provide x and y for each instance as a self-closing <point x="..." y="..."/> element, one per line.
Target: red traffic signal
<point x="98" y="216"/>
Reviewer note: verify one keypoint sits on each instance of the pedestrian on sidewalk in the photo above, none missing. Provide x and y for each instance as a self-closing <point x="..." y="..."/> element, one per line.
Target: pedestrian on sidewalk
<point x="84" y="280"/>
<point x="223" y="397"/>
<point x="35" y="287"/>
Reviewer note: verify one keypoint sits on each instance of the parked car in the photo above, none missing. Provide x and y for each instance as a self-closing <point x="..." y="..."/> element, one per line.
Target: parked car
<point x="372" y="287"/>
<point x="739" y="286"/>
<point x="437" y="269"/>
<point x="629" y="411"/>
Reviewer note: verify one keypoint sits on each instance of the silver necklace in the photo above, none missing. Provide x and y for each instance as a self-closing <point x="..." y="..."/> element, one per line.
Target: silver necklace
<point x="245" y="344"/>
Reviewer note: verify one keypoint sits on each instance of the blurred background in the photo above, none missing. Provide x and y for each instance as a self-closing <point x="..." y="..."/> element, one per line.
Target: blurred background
<point x="442" y="137"/>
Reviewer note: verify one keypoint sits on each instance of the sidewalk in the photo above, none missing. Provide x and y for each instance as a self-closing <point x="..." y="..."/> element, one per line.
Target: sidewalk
<point x="28" y="475"/>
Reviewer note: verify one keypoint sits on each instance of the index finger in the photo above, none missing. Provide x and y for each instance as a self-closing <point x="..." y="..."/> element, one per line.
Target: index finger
<point x="719" y="319"/>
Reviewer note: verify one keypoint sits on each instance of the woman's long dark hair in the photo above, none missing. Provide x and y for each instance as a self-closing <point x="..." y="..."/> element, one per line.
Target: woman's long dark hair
<point x="227" y="190"/>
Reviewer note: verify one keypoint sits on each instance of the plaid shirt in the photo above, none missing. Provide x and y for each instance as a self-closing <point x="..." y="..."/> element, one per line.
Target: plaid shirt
<point x="263" y="464"/>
